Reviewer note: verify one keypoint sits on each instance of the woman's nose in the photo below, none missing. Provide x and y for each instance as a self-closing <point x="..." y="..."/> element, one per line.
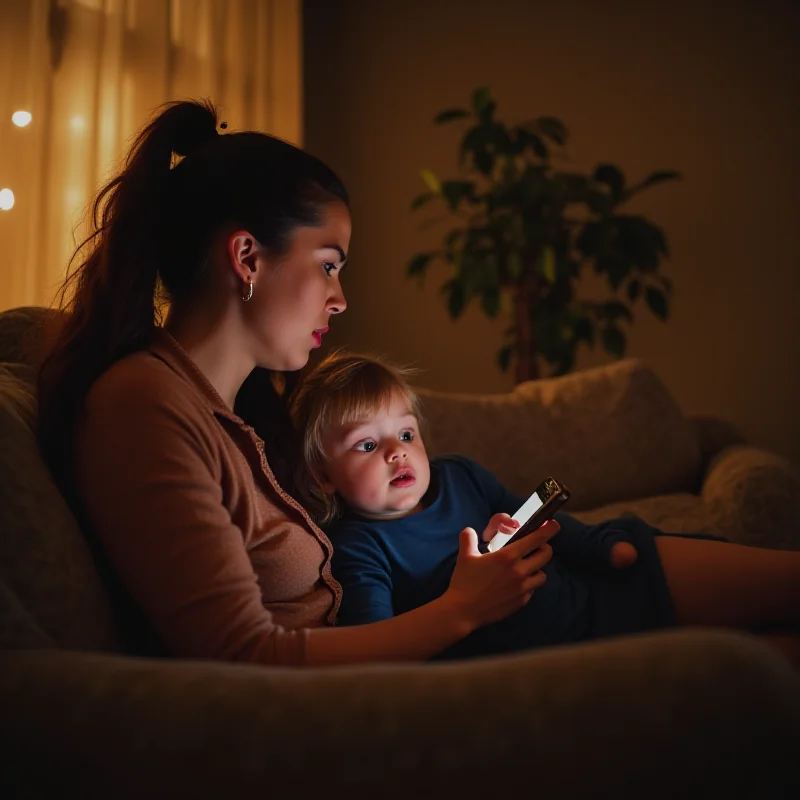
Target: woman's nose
<point x="337" y="302"/>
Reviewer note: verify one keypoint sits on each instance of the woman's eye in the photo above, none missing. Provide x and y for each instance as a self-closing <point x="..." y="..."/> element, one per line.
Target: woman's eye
<point x="367" y="446"/>
<point x="329" y="267"/>
<point x="407" y="436"/>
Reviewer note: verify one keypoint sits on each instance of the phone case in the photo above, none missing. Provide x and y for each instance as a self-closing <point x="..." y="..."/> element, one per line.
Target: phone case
<point x="548" y="497"/>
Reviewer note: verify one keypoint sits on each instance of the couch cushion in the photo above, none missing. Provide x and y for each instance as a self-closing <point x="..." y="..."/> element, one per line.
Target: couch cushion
<point x="610" y="433"/>
<point x="671" y="513"/>
<point x="44" y="559"/>
<point x="25" y="333"/>
<point x="18" y="629"/>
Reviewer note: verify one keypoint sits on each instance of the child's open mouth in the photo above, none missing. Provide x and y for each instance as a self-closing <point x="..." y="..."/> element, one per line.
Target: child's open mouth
<point x="403" y="478"/>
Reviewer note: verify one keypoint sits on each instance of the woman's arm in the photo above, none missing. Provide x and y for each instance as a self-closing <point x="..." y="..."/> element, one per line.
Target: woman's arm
<point x="483" y="589"/>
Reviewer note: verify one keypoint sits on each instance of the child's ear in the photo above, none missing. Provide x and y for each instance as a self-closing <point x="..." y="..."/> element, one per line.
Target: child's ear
<point x="324" y="481"/>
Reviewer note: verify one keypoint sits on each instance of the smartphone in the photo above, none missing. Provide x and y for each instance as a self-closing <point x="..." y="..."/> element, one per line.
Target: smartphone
<point x="548" y="497"/>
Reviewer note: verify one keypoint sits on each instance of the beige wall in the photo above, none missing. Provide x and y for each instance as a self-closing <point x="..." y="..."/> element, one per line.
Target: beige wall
<point x="710" y="89"/>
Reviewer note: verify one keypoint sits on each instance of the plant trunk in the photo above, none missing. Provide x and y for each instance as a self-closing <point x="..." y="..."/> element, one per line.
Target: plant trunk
<point x="527" y="365"/>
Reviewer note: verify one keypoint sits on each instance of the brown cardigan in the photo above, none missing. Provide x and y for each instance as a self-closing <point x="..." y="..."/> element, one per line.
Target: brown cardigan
<point x="178" y="490"/>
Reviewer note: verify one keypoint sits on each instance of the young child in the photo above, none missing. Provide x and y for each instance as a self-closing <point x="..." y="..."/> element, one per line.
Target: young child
<point x="394" y="519"/>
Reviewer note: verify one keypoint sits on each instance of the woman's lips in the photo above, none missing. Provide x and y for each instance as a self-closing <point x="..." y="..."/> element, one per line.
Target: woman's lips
<point x="318" y="336"/>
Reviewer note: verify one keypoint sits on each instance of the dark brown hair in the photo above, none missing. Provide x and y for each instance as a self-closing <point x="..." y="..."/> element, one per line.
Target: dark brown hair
<point x="153" y="226"/>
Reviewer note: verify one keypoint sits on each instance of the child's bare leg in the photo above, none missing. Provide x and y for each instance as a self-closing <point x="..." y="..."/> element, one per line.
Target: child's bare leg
<point x="731" y="585"/>
<point x="716" y="583"/>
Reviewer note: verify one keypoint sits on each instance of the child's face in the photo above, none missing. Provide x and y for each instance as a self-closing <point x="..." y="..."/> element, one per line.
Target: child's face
<point x="379" y="465"/>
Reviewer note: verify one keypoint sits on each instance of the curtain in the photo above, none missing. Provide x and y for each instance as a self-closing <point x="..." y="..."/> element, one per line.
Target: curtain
<point x="91" y="72"/>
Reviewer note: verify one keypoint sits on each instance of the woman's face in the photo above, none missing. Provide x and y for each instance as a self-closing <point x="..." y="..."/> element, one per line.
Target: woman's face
<point x="296" y="293"/>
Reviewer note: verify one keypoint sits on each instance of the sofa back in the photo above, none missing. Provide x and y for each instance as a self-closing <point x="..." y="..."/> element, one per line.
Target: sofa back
<point x="610" y="433"/>
<point x="51" y="593"/>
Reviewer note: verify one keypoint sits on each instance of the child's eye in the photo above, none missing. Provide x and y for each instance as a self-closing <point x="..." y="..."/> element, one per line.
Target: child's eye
<point x="407" y="436"/>
<point x="329" y="267"/>
<point x="367" y="446"/>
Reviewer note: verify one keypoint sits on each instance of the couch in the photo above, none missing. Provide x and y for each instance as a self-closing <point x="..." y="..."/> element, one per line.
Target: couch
<point x="674" y="713"/>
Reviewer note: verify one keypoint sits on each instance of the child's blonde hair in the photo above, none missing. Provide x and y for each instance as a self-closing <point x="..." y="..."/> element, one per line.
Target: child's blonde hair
<point x="343" y="388"/>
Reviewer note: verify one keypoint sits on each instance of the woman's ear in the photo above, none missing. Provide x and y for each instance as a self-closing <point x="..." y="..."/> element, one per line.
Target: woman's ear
<point x="242" y="251"/>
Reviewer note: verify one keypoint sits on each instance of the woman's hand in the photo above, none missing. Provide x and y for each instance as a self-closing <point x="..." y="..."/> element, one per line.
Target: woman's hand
<point x="487" y="588"/>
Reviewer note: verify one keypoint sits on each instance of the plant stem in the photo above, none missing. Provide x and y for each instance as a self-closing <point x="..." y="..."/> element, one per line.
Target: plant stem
<point x="526" y="364"/>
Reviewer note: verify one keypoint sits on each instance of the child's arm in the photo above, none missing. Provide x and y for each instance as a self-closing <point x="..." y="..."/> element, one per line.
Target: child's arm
<point x="363" y="570"/>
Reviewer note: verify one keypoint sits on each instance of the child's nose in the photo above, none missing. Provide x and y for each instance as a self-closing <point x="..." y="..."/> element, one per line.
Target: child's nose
<point x="396" y="452"/>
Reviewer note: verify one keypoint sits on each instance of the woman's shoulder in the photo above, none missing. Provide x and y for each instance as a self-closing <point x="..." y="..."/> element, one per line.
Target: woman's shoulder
<point x="146" y="392"/>
<point x="139" y="379"/>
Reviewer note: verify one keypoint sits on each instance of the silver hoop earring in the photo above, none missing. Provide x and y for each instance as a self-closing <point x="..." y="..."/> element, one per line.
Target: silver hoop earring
<point x="249" y="296"/>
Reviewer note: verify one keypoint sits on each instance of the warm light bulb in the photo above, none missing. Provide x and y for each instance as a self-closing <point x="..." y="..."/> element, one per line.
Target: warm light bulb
<point x="6" y="199"/>
<point x="21" y="118"/>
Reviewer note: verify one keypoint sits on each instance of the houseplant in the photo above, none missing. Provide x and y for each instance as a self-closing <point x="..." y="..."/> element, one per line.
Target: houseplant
<point x="526" y="231"/>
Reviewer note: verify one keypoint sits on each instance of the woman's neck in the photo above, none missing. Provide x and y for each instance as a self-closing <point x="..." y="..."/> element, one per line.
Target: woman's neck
<point x="212" y="345"/>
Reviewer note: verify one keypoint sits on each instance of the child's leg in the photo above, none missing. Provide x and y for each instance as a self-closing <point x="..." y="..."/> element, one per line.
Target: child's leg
<point x="731" y="585"/>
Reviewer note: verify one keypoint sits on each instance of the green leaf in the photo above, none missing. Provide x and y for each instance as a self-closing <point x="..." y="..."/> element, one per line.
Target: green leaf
<point x="474" y="139"/>
<point x="599" y="202"/>
<point x="553" y="128"/>
<point x="656" y="301"/>
<point x="484" y="161"/>
<point x="546" y="265"/>
<point x="449" y="114"/>
<point x="639" y="241"/>
<point x="613" y="178"/>
<point x="481" y="99"/>
<point x="613" y="310"/>
<point x="452" y="237"/>
<point x="584" y="330"/>
<point x="498" y="139"/>
<point x="454" y="191"/>
<point x="418" y="264"/>
<point x="421" y="199"/>
<point x="614" y="341"/>
<point x="651" y="180"/>
<point x="591" y="239"/>
<point x="456" y="300"/>
<point x="431" y="181"/>
<point x="614" y="268"/>
<point x="529" y="139"/>
<point x="634" y="289"/>
<point x="490" y="302"/>
<point x="504" y="355"/>
<point x="513" y="265"/>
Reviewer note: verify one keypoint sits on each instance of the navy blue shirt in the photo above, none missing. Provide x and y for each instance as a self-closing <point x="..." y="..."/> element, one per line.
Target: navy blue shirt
<point x="388" y="567"/>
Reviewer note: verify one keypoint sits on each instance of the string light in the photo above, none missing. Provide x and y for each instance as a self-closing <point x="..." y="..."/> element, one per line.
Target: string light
<point x="21" y="118"/>
<point x="6" y="199"/>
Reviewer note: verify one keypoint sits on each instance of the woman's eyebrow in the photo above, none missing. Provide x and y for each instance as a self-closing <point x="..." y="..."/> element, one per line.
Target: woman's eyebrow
<point x="342" y="254"/>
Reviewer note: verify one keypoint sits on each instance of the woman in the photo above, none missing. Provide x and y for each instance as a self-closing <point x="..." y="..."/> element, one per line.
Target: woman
<point x="247" y="236"/>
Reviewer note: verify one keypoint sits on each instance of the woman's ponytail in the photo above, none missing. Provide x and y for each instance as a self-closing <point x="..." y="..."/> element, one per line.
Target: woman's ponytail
<point x="112" y="296"/>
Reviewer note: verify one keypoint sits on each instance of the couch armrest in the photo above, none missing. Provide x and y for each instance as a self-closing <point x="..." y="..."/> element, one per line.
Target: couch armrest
<point x="714" y="435"/>
<point x="678" y="713"/>
<point x="752" y="497"/>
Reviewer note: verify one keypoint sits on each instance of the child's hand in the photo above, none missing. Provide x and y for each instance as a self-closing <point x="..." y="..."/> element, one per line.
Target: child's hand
<point x="500" y="523"/>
